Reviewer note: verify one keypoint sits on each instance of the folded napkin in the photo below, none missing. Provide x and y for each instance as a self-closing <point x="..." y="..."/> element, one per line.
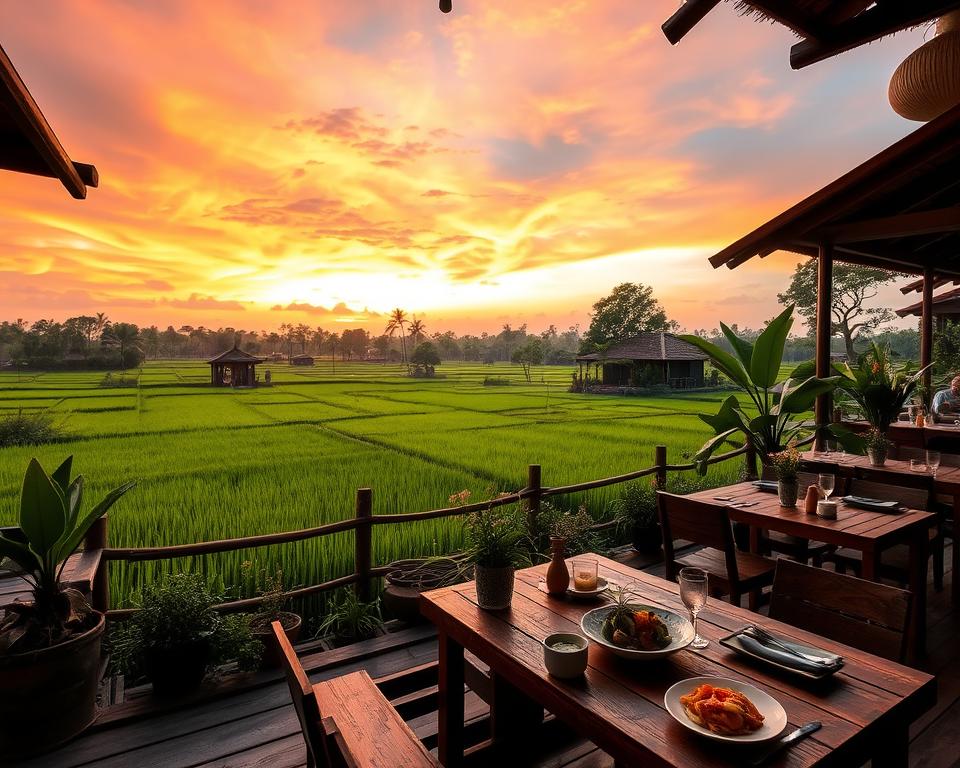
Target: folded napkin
<point x="785" y="658"/>
<point x="875" y="505"/>
<point x="766" y="485"/>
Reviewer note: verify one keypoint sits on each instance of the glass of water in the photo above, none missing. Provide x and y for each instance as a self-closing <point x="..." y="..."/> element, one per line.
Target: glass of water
<point x="826" y="483"/>
<point x="933" y="461"/>
<point x="693" y="592"/>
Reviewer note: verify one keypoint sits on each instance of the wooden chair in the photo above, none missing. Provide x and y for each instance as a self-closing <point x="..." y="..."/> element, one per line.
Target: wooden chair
<point x="800" y="549"/>
<point x="894" y="562"/>
<point x="360" y="730"/>
<point x="732" y="572"/>
<point x="863" y="614"/>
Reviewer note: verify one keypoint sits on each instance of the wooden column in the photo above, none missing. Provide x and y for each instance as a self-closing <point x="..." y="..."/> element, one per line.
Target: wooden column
<point x="364" y="541"/>
<point x="926" y="331"/>
<point x="823" y="331"/>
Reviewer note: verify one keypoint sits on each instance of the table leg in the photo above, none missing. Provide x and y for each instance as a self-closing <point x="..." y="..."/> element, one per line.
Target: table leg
<point x="515" y="719"/>
<point x="954" y="587"/>
<point x="450" y="701"/>
<point x="870" y="565"/>
<point x="919" y="544"/>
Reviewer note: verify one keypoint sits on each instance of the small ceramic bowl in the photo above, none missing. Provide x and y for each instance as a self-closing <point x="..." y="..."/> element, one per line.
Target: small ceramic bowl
<point x="827" y="509"/>
<point x="570" y="658"/>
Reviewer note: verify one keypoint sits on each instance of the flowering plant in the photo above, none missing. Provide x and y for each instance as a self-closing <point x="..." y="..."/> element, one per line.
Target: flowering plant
<point x="496" y="538"/>
<point x="879" y="387"/>
<point x="786" y="463"/>
<point x="876" y="439"/>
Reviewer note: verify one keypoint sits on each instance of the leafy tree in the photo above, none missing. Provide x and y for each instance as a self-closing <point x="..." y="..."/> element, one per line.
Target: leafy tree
<point x="629" y="310"/>
<point x="946" y="349"/>
<point x="425" y="357"/>
<point x="528" y="355"/>
<point x="125" y="336"/>
<point x="853" y="287"/>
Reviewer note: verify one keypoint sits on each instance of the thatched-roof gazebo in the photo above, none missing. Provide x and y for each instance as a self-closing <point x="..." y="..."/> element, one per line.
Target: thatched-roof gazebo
<point x="234" y="368"/>
<point x="645" y="357"/>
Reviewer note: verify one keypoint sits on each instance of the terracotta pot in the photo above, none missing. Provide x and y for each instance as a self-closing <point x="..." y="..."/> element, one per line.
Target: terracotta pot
<point x="788" y="491"/>
<point x="494" y="587"/>
<point x="272" y="657"/>
<point x="177" y="669"/>
<point x="558" y="577"/>
<point x="49" y="696"/>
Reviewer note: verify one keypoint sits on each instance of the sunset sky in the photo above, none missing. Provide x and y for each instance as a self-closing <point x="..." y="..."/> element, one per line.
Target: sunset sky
<point x="324" y="161"/>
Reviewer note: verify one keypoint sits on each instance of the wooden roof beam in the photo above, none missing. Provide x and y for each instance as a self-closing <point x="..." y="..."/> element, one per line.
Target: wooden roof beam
<point x="685" y="18"/>
<point x="29" y="120"/>
<point x="889" y="227"/>
<point x="788" y="14"/>
<point x="16" y="155"/>
<point x="872" y="24"/>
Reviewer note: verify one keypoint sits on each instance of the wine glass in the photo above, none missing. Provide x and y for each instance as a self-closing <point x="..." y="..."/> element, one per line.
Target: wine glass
<point x="693" y="592"/>
<point x="933" y="461"/>
<point x="826" y="483"/>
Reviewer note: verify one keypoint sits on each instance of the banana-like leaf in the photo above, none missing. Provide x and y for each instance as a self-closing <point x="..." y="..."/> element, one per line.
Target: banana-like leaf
<point x="66" y="547"/>
<point x="74" y="500"/>
<point x="768" y="349"/>
<point x="20" y="554"/>
<point x="742" y="347"/>
<point x="725" y="418"/>
<point x="723" y="360"/>
<point x="802" y="397"/>
<point x="61" y="475"/>
<point x="708" y="448"/>
<point x="851" y="441"/>
<point x="43" y="515"/>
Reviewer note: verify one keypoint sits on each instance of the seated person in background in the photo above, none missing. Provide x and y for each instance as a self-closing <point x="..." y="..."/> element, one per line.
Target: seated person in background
<point x="946" y="403"/>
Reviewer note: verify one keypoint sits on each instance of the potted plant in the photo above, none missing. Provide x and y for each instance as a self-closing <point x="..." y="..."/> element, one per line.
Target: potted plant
<point x="636" y="512"/>
<point x="269" y="587"/>
<point x="350" y="619"/>
<point x="879" y="387"/>
<point x="496" y="546"/>
<point x="786" y="464"/>
<point x="50" y="647"/>
<point x="779" y="405"/>
<point x="176" y="635"/>
<point x="877" y="446"/>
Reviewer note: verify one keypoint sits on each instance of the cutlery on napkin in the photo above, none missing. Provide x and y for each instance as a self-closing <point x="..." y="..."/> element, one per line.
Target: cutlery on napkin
<point x="783" y="653"/>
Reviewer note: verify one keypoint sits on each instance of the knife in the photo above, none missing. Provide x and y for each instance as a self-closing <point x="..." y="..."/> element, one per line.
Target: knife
<point x="785" y="742"/>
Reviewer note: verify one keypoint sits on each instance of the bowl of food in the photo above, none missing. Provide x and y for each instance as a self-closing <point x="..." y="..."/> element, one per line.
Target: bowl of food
<point x="634" y="630"/>
<point x="565" y="654"/>
<point x="725" y="710"/>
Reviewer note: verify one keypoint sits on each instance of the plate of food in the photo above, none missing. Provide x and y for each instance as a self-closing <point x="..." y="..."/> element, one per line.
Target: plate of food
<point x="635" y="630"/>
<point x="726" y="710"/>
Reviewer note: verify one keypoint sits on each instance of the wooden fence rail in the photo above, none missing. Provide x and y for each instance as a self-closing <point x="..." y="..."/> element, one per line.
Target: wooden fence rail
<point x="362" y="523"/>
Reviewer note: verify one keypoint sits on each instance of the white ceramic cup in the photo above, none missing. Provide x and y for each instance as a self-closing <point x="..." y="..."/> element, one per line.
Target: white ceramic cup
<point x="827" y="509"/>
<point x="562" y="662"/>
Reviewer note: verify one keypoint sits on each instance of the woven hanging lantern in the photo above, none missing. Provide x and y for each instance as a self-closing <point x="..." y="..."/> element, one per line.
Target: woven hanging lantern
<point x="927" y="82"/>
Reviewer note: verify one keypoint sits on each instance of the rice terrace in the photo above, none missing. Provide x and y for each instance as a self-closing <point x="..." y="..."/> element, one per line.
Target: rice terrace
<point x="206" y="459"/>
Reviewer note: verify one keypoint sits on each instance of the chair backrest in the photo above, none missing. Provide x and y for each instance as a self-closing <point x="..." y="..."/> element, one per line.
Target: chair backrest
<point x="304" y="700"/>
<point x="698" y="521"/>
<point x="864" y="614"/>
<point x="895" y="489"/>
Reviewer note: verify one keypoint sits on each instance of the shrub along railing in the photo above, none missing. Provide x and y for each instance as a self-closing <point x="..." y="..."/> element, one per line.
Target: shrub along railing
<point x="363" y="523"/>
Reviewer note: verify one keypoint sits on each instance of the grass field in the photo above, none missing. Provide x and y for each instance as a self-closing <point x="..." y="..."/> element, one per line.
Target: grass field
<point x="217" y="463"/>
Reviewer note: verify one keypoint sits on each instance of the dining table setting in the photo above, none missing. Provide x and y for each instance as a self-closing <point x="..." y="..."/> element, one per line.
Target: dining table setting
<point x="658" y="673"/>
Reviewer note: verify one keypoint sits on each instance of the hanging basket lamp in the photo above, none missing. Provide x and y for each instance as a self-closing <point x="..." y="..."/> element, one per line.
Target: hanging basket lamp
<point x="927" y="82"/>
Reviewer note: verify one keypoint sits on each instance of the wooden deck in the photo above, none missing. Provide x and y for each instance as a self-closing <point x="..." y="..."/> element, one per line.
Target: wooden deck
<point x="248" y="721"/>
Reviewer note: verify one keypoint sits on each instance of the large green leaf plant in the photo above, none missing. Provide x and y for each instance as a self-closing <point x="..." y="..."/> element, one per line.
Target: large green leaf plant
<point x="51" y="528"/>
<point x="878" y="386"/>
<point x="755" y="369"/>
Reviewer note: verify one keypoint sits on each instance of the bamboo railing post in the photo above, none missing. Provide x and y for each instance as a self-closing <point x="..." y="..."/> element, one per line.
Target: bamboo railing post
<point x="96" y="538"/>
<point x="750" y="459"/>
<point x="660" y="462"/>
<point x="364" y="540"/>
<point x="533" y="500"/>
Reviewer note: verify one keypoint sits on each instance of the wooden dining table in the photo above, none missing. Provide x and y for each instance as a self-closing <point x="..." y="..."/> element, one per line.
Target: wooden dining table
<point x="866" y="708"/>
<point x="945" y="482"/>
<point x="860" y="529"/>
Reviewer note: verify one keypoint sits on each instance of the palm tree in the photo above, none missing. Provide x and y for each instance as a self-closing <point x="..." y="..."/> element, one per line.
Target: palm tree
<point x="100" y="324"/>
<point x="126" y="336"/>
<point x="417" y="331"/>
<point x="398" y="319"/>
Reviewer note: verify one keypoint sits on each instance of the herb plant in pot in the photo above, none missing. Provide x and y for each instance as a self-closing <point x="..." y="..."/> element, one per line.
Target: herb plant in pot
<point x="786" y="464"/>
<point x="349" y="619"/>
<point x="270" y="589"/>
<point x="877" y="446"/>
<point x="496" y="543"/>
<point x="50" y="647"/>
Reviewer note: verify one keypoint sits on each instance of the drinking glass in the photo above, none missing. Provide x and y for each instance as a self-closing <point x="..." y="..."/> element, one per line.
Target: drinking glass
<point x="693" y="592"/>
<point x="933" y="461"/>
<point x="826" y="484"/>
<point x="585" y="575"/>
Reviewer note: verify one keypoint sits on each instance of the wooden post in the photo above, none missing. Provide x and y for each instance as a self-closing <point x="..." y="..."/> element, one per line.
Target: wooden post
<point x="750" y="458"/>
<point x="364" y="540"/>
<point x="96" y="538"/>
<point x="660" y="462"/>
<point x="926" y="332"/>
<point x="824" y="332"/>
<point x="533" y="500"/>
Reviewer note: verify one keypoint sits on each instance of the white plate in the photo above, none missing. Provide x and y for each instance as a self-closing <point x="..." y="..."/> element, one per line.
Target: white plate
<point x="585" y="594"/>
<point x="680" y="628"/>
<point x="774" y="716"/>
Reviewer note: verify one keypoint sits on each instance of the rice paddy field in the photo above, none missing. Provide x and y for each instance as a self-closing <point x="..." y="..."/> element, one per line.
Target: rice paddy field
<point x="218" y="463"/>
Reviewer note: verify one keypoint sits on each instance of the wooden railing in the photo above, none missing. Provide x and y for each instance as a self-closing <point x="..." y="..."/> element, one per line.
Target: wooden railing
<point x="363" y="522"/>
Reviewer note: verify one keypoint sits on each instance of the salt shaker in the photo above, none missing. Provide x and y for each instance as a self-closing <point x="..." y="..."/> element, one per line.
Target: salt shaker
<point x="810" y="502"/>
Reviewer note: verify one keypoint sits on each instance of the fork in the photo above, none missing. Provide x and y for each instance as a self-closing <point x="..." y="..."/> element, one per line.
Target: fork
<point x="766" y="637"/>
